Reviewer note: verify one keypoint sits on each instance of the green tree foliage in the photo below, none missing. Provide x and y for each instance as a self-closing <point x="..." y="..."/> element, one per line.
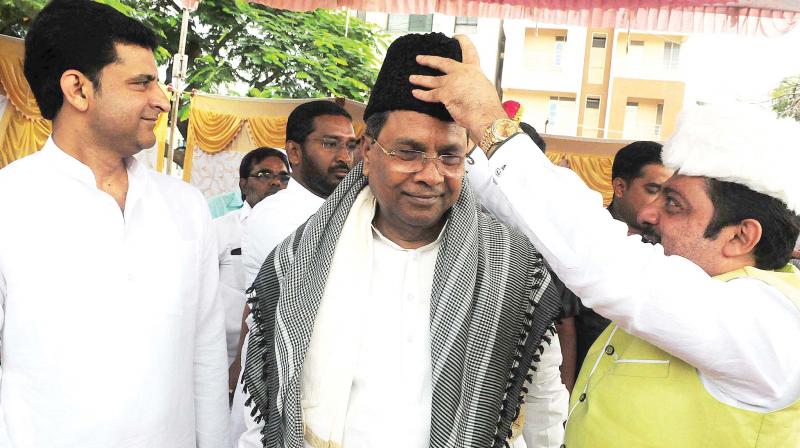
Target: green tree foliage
<point x="232" y="43"/>
<point x="786" y="98"/>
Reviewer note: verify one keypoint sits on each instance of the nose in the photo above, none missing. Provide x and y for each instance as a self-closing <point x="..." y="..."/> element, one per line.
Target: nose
<point x="159" y="98"/>
<point x="648" y="214"/>
<point x="429" y="174"/>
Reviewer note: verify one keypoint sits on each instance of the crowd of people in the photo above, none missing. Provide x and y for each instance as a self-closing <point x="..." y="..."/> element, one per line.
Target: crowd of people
<point x="402" y="288"/>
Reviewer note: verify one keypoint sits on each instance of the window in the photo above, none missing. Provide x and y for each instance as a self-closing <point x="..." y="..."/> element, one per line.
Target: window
<point x="466" y="25"/>
<point x="409" y="23"/>
<point x="593" y="102"/>
<point x="659" y="121"/>
<point x="558" y="50"/>
<point x="672" y="52"/>
<point x="630" y="126"/>
<point x="598" y="41"/>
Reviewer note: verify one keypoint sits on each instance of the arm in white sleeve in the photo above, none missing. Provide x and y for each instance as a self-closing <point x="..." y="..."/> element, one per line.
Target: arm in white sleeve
<point x="264" y="229"/>
<point x="738" y="334"/>
<point x="5" y="442"/>
<point x="546" y="402"/>
<point x="210" y="360"/>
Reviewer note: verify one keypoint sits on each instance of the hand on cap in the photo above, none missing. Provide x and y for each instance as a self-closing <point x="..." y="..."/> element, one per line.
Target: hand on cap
<point x="463" y="89"/>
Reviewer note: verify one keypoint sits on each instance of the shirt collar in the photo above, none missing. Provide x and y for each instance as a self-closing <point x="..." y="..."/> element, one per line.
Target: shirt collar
<point x="72" y="167"/>
<point x="244" y="212"/>
<point x="426" y="248"/>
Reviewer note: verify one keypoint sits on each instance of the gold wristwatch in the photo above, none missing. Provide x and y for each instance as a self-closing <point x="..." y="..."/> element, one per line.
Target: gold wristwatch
<point x="499" y="131"/>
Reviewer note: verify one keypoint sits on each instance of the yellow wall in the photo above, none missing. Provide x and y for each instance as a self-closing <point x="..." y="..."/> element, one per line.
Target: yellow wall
<point x="540" y="50"/>
<point x="651" y="63"/>
<point x="648" y="93"/>
<point x="535" y="106"/>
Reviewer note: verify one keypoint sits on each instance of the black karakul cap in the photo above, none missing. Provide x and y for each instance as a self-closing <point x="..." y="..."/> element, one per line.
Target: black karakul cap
<point x="392" y="89"/>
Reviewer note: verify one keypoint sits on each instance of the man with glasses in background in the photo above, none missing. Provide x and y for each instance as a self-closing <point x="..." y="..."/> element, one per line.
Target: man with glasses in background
<point x="262" y="173"/>
<point x="400" y="315"/>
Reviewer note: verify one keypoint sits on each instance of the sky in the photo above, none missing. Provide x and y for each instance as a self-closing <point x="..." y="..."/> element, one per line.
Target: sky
<point x="745" y="68"/>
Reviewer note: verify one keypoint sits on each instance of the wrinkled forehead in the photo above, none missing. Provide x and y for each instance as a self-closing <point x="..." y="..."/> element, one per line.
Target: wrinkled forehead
<point x="433" y="133"/>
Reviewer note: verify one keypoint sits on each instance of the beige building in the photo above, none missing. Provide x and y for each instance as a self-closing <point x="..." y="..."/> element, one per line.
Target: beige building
<point x="598" y="83"/>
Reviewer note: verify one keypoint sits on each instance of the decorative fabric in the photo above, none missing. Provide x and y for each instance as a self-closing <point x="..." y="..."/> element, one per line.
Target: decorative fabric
<point x="490" y="309"/>
<point x="217" y="173"/>
<point x="392" y="90"/>
<point x="23" y="130"/>
<point x="752" y="17"/>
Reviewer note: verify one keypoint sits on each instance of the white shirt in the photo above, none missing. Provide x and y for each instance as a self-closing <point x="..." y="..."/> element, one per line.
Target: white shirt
<point x="229" y="229"/>
<point x="391" y="406"/>
<point x="741" y="335"/>
<point x="111" y="334"/>
<point x="271" y="221"/>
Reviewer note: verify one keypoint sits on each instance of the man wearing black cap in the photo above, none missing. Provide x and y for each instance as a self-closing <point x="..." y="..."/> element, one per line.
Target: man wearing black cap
<point x="443" y="340"/>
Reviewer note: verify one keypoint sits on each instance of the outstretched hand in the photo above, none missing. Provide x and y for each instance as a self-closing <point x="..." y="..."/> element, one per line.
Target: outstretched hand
<point x="463" y="89"/>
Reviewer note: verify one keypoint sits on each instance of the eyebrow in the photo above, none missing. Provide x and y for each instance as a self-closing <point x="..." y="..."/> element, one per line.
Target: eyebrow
<point x="143" y="77"/>
<point x="672" y="191"/>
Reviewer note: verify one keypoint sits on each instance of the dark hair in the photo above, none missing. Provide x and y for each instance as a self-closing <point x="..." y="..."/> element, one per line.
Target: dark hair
<point x="256" y="156"/>
<point x="629" y="161"/>
<point x="531" y="131"/>
<point x="375" y="123"/>
<point x="301" y="120"/>
<point x="79" y="35"/>
<point x="779" y="226"/>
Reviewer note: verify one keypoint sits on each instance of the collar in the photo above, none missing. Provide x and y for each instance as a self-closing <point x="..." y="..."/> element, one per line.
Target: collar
<point x="297" y="188"/>
<point x="244" y="212"/>
<point x="426" y="248"/>
<point x="72" y="167"/>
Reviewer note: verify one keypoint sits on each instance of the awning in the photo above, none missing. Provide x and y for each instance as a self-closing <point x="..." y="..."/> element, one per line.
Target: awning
<point x="752" y="17"/>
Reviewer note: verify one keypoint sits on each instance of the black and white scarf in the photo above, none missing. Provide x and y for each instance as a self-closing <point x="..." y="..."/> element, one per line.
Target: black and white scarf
<point x="491" y="306"/>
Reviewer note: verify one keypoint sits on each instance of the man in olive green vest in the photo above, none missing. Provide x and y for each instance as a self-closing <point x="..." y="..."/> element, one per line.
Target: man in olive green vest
<point x="702" y="351"/>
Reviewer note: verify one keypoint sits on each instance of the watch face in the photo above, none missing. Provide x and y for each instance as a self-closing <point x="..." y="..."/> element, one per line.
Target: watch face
<point x="506" y="128"/>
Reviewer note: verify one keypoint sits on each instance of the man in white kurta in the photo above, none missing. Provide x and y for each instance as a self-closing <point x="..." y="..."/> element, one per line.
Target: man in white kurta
<point x="111" y="333"/>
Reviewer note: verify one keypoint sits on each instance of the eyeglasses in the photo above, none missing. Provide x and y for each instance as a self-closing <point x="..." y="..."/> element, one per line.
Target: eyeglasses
<point x="411" y="161"/>
<point x="334" y="144"/>
<point x="268" y="176"/>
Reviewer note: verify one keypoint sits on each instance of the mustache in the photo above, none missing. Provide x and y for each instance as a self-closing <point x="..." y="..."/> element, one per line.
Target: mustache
<point x="339" y="166"/>
<point x="650" y="235"/>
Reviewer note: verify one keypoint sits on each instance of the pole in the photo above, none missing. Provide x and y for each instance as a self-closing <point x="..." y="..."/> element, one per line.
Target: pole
<point x="501" y="54"/>
<point x="178" y="76"/>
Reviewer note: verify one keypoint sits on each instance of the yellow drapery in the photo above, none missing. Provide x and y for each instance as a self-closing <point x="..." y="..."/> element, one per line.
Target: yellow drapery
<point x="216" y="123"/>
<point x="23" y="131"/>
<point x="594" y="170"/>
<point x="268" y="131"/>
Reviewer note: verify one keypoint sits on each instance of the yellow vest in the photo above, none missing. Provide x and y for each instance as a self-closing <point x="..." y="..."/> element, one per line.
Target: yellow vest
<point x="642" y="397"/>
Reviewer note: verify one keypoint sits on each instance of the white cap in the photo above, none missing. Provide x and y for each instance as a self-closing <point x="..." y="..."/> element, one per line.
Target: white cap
<point x="739" y="143"/>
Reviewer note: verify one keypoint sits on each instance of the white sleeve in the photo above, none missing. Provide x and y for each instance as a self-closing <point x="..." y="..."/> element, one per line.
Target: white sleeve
<point x="4" y="439"/>
<point x="210" y="360"/>
<point x="546" y="402"/>
<point x="264" y="229"/>
<point x="738" y="334"/>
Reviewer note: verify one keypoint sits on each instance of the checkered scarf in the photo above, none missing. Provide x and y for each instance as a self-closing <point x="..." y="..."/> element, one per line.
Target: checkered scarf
<point x="491" y="307"/>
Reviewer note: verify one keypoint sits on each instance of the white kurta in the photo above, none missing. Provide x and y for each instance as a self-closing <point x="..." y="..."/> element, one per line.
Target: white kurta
<point x="229" y="229"/>
<point x="271" y="221"/>
<point x="111" y="333"/>
<point x="741" y="335"/>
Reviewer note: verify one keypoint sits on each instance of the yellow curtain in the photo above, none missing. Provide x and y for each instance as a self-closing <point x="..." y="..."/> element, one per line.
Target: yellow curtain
<point x="211" y="131"/>
<point x="268" y="131"/>
<point x="23" y="131"/>
<point x="595" y="170"/>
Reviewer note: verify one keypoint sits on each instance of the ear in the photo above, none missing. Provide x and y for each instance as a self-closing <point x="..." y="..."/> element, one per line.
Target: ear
<point x="742" y="238"/>
<point x="242" y="183"/>
<point x="619" y="186"/>
<point x="366" y="152"/>
<point x="293" y="153"/>
<point x="77" y="90"/>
